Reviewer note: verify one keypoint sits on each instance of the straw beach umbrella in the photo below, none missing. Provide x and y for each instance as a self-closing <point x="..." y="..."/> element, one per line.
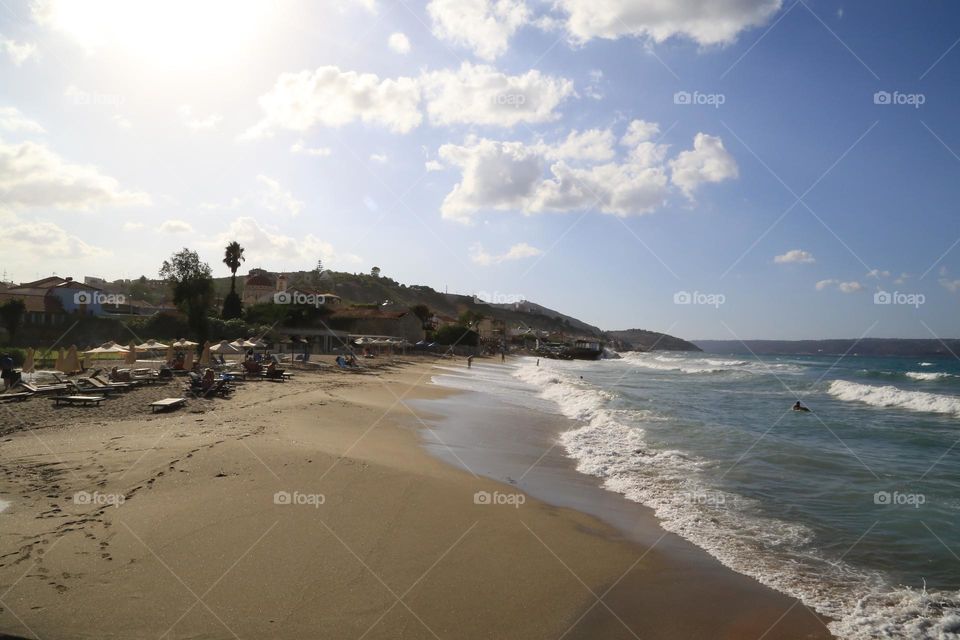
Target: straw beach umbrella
<point x="72" y="363"/>
<point x="205" y="356"/>
<point x="188" y="360"/>
<point x="28" y="365"/>
<point x="58" y="365"/>
<point x="183" y="343"/>
<point x="169" y="356"/>
<point x="224" y="347"/>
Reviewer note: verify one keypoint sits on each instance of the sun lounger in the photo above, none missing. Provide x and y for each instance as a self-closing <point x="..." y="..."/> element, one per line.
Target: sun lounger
<point x="52" y="388"/>
<point x="15" y="397"/>
<point x="167" y="403"/>
<point x="81" y="400"/>
<point x="99" y="382"/>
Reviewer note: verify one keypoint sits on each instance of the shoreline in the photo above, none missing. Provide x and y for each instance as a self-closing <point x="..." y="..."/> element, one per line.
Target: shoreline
<point x="377" y="538"/>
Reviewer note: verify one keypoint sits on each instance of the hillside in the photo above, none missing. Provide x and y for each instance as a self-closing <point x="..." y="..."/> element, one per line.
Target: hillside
<point x="642" y="340"/>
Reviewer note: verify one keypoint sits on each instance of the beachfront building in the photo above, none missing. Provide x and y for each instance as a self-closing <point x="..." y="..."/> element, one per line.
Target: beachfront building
<point x="261" y="287"/>
<point x="50" y="299"/>
<point x="378" y="322"/>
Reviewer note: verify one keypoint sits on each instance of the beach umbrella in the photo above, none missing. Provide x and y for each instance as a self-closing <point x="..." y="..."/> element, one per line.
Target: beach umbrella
<point x="151" y="345"/>
<point x="58" y="365"/>
<point x="183" y="343"/>
<point x="169" y="356"/>
<point x="71" y="363"/>
<point x="205" y="356"/>
<point x="188" y="360"/>
<point x="224" y="347"/>
<point x="28" y="362"/>
<point x="131" y="353"/>
<point x="239" y="344"/>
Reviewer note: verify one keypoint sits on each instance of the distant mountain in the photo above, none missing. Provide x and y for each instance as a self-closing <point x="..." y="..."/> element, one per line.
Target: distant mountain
<point x="864" y="347"/>
<point x="642" y="340"/>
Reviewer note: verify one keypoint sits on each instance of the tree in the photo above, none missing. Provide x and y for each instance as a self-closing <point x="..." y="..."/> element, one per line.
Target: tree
<point x="232" y="257"/>
<point x="11" y="314"/>
<point x="375" y="272"/>
<point x="192" y="285"/>
<point x="423" y="312"/>
<point x="456" y="335"/>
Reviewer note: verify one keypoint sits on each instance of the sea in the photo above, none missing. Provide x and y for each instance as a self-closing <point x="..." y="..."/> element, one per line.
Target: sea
<point x="852" y="507"/>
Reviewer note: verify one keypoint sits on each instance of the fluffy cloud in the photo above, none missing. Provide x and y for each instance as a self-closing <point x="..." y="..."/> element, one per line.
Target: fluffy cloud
<point x="843" y="287"/>
<point x="516" y="252"/>
<point x="878" y="273"/>
<point x="708" y="161"/>
<point x="399" y="43"/>
<point x="795" y="255"/>
<point x="273" y="247"/>
<point x="19" y="52"/>
<point x="25" y="242"/>
<point x="479" y="94"/>
<point x="11" y="119"/>
<point x="472" y="94"/>
<point x="196" y="123"/>
<point x="300" y="147"/>
<point x="706" y="22"/>
<point x="581" y="173"/>
<point x="333" y="98"/>
<point x="175" y="227"/>
<point x="31" y="175"/>
<point x="484" y="26"/>
<point x="269" y="194"/>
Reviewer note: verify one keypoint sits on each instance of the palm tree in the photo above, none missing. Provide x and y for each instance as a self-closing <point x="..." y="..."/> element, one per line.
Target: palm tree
<point x="232" y="257"/>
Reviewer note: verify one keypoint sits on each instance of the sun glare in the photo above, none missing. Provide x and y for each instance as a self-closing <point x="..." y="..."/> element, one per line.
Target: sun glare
<point x="168" y="33"/>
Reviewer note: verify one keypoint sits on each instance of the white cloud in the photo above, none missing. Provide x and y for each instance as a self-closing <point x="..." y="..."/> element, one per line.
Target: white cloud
<point x="795" y="255"/>
<point x="175" y="227"/>
<point x="25" y="242"/>
<point x="381" y="158"/>
<point x="639" y="131"/>
<point x="333" y="98"/>
<point x="878" y="273"/>
<point x="122" y="122"/>
<point x="584" y="174"/>
<point x="399" y="43"/>
<point x="11" y="119"/>
<point x="276" y="199"/>
<point x="472" y="94"/>
<point x="517" y="252"/>
<point x="703" y="21"/>
<point x="433" y="165"/>
<point x="300" y="147"/>
<point x="19" y="52"/>
<point x="479" y="94"/>
<point x="484" y="26"/>
<point x="270" y="246"/>
<point x="903" y="277"/>
<point x="843" y="287"/>
<point x="950" y="285"/>
<point x="132" y="226"/>
<point x="197" y="123"/>
<point x="708" y="161"/>
<point x="31" y="175"/>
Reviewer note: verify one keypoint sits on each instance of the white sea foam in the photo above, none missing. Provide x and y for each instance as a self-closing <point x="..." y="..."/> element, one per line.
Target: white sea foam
<point x="611" y="445"/>
<point x="890" y="396"/>
<point x="705" y="365"/>
<point x="929" y="375"/>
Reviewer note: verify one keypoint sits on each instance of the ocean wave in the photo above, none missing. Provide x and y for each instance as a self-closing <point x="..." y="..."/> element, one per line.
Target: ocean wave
<point x="611" y="445"/>
<point x="890" y="396"/>
<point x="928" y="375"/>
<point x="703" y="365"/>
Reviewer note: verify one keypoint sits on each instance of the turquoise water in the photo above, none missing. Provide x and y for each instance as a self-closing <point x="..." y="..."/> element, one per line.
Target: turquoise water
<point x="853" y="507"/>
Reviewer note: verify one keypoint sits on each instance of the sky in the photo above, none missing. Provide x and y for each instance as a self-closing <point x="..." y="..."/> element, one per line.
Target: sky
<point x="725" y="170"/>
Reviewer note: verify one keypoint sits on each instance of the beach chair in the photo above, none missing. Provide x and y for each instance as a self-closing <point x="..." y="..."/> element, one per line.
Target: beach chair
<point x="167" y="404"/>
<point x="99" y="382"/>
<point x="52" y="388"/>
<point x="15" y="397"/>
<point x="78" y="400"/>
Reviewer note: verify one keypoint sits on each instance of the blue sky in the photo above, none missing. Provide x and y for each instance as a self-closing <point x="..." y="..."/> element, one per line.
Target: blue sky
<point x="511" y="148"/>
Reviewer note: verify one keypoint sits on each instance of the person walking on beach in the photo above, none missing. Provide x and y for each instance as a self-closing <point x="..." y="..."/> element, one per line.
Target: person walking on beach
<point x="469" y="361"/>
<point x="6" y="370"/>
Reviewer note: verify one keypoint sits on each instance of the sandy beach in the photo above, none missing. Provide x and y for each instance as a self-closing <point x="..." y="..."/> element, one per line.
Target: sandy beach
<point x="310" y="509"/>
